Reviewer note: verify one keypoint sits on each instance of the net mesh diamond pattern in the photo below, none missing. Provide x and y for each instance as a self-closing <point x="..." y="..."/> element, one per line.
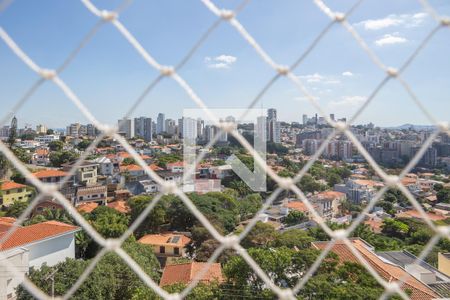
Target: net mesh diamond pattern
<point x="229" y="17"/>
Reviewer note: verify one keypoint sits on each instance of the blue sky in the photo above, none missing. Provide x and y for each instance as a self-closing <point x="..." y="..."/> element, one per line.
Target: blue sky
<point x="108" y="75"/>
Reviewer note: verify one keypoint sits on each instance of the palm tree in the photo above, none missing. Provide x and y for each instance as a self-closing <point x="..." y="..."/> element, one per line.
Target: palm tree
<point x="82" y="241"/>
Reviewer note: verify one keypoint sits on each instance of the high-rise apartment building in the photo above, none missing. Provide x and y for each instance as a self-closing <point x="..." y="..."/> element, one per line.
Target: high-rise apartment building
<point x="273" y="126"/>
<point x="125" y="127"/>
<point x="41" y="129"/>
<point x="160" y="123"/>
<point x="143" y="128"/>
<point x="170" y="126"/>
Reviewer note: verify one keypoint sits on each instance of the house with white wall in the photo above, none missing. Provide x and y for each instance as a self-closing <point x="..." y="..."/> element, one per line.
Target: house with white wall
<point x="48" y="242"/>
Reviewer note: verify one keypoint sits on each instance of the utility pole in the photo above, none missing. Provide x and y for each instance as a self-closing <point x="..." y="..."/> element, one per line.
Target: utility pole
<point x="51" y="276"/>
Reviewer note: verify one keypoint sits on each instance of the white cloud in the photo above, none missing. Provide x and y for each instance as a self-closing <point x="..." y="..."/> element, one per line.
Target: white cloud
<point x="317" y="78"/>
<point x="405" y="20"/>
<point x="347" y="74"/>
<point x="347" y="102"/>
<point x="306" y="99"/>
<point x="390" y="39"/>
<point x="220" y="62"/>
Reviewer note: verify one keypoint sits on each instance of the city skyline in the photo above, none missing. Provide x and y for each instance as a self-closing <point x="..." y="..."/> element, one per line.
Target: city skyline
<point x="225" y="71"/>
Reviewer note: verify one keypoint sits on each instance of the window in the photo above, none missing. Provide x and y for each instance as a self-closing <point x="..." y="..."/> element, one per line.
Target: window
<point x="176" y="251"/>
<point x="162" y="249"/>
<point x="20" y="190"/>
<point x="81" y="198"/>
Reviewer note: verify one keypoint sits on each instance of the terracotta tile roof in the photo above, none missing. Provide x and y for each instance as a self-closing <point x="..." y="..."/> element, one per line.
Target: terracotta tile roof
<point x="389" y="272"/>
<point x="34" y="233"/>
<point x="128" y="155"/>
<point x="6" y="223"/>
<point x="165" y="239"/>
<point x="89" y="190"/>
<point x="415" y="214"/>
<point x="185" y="273"/>
<point x="130" y="168"/>
<point x="42" y="152"/>
<point x="175" y="164"/>
<point x="374" y="224"/>
<point x="120" y="206"/>
<point x="87" y="207"/>
<point x="409" y="181"/>
<point x="11" y="185"/>
<point x="10" y="220"/>
<point x="367" y="182"/>
<point x="297" y="205"/>
<point x="155" y="167"/>
<point x="330" y="195"/>
<point x="49" y="173"/>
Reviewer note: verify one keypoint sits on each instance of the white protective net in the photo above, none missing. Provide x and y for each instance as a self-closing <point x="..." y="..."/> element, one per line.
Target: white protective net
<point x="110" y="18"/>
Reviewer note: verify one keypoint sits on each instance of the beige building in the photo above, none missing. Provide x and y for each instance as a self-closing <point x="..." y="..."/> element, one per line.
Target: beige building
<point x="166" y="244"/>
<point x="86" y="173"/>
<point x="444" y="263"/>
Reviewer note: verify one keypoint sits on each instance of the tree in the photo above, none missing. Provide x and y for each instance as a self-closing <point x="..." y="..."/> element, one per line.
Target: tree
<point x="16" y="208"/>
<point x="284" y="267"/>
<point x="50" y="131"/>
<point x="249" y="206"/>
<point x="22" y="154"/>
<point x="83" y="145"/>
<point x="56" y="145"/>
<point x="109" y="222"/>
<point x="293" y="238"/>
<point x="48" y="214"/>
<point x="295" y="217"/>
<point x="57" y="158"/>
<point x="394" y="228"/>
<point x="128" y="161"/>
<point x="155" y="218"/>
<point x="4" y="165"/>
<point x="443" y="195"/>
<point x="262" y="234"/>
<point x="308" y="184"/>
<point x="112" y="278"/>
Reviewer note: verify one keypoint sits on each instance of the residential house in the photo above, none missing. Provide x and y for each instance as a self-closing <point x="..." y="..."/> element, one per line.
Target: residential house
<point x="166" y="244"/>
<point x="436" y="280"/>
<point x="185" y="273"/>
<point x="11" y="191"/>
<point x="175" y="167"/>
<point x="106" y="166"/>
<point x="132" y="172"/>
<point x="48" y="242"/>
<point x="359" y="190"/>
<point x="95" y="194"/>
<point x="86" y="173"/>
<point x="328" y="203"/>
<point x="50" y="175"/>
<point x="40" y="157"/>
<point x="387" y="270"/>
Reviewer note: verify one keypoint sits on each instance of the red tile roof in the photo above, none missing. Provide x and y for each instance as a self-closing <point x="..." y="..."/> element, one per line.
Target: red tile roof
<point x="412" y="213"/>
<point x="130" y="168"/>
<point x="297" y="205"/>
<point x="6" y="223"/>
<point x="164" y="239"/>
<point x="49" y="173"/>
<point x="155" y="167"/>
<point x="330" y="195"/>
<point x="120" y="206"/>
<point x="34" y="233"/>
<point x="175" y="164"/>
<point x="185" y="273"/>
<point x="87" y="207"/>
<point x="11" y="185"/>
<point x="389" y="272"/>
